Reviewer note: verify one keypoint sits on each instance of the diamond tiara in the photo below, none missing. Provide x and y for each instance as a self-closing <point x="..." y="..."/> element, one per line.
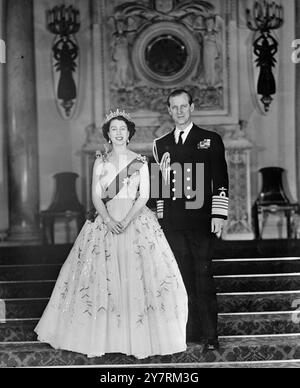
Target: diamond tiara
<point x="117" y="113"/>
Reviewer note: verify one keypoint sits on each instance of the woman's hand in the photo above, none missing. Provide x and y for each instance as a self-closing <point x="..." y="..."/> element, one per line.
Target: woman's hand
<point x="113" y="226"/>
<point x="124" y="223"/>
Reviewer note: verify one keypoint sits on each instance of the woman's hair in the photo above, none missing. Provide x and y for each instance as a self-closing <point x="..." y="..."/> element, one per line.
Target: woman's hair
<point x="130" y="126"/>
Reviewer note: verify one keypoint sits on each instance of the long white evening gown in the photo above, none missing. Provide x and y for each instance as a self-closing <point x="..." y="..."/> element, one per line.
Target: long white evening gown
<point x="118" y="293"/>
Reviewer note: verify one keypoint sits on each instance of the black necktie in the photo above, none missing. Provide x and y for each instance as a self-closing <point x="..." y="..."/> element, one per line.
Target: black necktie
<point x="180" y="142"/>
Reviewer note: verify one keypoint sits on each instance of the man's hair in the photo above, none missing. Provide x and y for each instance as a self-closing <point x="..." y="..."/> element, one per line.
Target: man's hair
<point x="178" y="92"/>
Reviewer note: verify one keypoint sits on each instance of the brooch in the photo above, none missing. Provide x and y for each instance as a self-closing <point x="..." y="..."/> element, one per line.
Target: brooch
<point x="204" y="144"/>
<point x="142" y="158"/>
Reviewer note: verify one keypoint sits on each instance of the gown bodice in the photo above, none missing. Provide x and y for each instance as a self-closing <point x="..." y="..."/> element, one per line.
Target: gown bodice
<point x="119" y="187"/>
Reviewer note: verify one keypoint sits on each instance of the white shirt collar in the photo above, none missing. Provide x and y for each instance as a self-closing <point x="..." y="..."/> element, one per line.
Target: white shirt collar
<point x="185" y="134"/>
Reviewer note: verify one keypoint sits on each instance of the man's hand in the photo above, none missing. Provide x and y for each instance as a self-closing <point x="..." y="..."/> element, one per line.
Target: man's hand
<point x="217" y="226"/>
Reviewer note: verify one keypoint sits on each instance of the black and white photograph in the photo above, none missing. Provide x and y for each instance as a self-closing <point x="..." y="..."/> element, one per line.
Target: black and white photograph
<point x="149" y="187"/>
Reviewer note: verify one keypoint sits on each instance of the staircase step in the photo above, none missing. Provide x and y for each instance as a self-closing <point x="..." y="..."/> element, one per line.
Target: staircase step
<point x="258" y="301"/>
<point x="257" y="283"/>
<point x="26" y="289"/>
<point x="18" y="330"/>
<point x="224" y="284"/>
<point x="29" y="272"/>
<point x="39" y="254"/>
<point x="220" y="267"/>
<point x="232" y="349"/>
<point x="21" y="329"/>
<point x="227" y="303"/>
<point x="235" y="324"/>
<point x="252" y="364"/>
<point x="256" y="248"/>
<point x="25" y="308"/>
<point x="256" y="266"/>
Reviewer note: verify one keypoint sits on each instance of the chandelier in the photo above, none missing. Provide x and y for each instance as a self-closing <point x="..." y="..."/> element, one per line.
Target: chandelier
<point x="63" y="20"/>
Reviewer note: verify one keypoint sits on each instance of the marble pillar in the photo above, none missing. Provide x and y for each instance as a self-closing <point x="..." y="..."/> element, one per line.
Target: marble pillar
<point x="3" y="162"/>
<point x="22" y="132"/>
<point x="297" y="101"/>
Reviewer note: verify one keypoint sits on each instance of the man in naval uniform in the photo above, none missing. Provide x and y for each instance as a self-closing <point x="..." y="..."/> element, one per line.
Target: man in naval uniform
<point x="192" y="209"/>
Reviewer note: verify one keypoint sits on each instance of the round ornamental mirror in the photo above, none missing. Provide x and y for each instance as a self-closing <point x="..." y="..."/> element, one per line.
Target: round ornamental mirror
<point x="166" y="54"/>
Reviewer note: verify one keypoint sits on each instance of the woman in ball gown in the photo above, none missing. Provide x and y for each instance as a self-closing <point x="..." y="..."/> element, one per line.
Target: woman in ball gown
<point x="120" y="289"/>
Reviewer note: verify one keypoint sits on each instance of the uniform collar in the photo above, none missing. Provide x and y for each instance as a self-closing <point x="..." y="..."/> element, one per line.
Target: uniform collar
<point x="185" y="134"/>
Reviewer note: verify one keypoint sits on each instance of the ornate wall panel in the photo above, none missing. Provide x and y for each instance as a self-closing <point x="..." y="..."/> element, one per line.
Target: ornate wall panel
<point x="146" y="48"/>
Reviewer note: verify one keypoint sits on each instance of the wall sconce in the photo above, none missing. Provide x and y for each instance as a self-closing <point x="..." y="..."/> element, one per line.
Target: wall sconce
<point x="264" y="18"/>
<point x="63" y="22"/>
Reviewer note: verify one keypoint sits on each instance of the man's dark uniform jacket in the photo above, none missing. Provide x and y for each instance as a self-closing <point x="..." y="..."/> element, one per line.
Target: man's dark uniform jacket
<point x="201" y="159"/>
<point x="203" y="147"/>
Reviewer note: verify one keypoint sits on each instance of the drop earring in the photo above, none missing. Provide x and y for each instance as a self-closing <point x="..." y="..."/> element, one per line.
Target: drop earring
<point x="127" y="141"/>
<point x="109" y="141"/>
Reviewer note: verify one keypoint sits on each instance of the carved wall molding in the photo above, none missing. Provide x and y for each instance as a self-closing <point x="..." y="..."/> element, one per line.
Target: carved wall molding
<point x="200" y="45"/>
